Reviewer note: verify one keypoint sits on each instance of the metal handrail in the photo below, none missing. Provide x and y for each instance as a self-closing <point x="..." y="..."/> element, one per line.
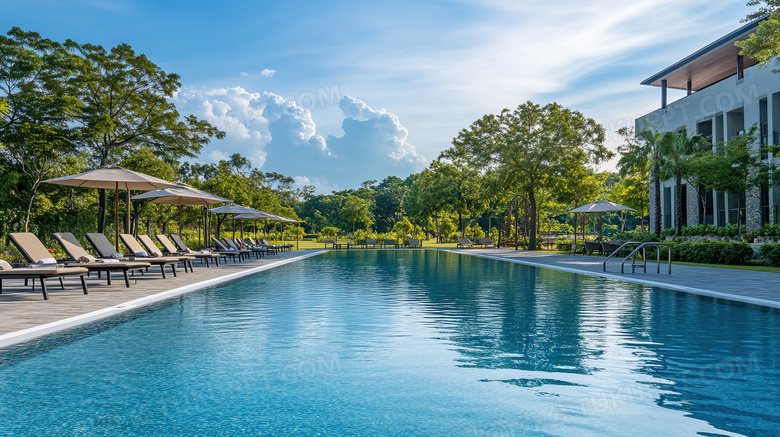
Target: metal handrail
<point x="616" y="251"/>
<point x="642" y="247"/>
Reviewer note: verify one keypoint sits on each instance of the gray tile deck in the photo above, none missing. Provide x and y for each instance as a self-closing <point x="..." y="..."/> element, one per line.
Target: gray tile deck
<point x="23" y="310"/>
<point x="761" y="288"/>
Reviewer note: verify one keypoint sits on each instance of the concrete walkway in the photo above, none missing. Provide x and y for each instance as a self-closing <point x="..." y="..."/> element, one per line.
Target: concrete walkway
<point x="24" y="314"/>
<point x="760" y="288"/>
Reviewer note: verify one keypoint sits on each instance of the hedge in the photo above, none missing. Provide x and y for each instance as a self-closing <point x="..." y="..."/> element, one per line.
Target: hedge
<point x="771" y="253"/>
<point x="712" y="252"/>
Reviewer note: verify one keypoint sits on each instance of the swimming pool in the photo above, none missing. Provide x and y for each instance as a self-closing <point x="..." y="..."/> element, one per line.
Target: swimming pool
<point x="406" y="343"/>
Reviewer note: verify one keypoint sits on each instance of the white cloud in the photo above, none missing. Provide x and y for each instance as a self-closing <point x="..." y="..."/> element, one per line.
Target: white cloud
<point x="267" y="72"/>
<point x="244" y="74"/>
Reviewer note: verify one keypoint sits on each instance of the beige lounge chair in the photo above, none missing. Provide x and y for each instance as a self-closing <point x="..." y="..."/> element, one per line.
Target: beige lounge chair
<point x="183" y="246"/>
<point x="170" y="249"/>
<point x="155" y="251"/>
<point x="413" y="242"/>
<point x="76" y="251"/>
<point x="37" y="254"/>
<point x="137" y="251"/>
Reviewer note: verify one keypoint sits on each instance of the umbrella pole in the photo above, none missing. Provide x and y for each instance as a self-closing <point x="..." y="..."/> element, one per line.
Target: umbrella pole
<point x="116" y="214"/>
<point x="297" y="232"/>
<point x="179" y="221"/>
<point x="601" y="226"/>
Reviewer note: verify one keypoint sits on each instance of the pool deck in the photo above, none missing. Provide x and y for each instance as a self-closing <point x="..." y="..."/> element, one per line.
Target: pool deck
<point x="759" y="288"/>
<point x="24" y="314"/>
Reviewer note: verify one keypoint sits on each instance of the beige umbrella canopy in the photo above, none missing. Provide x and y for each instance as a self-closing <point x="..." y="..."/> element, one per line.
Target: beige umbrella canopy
<point x="113" y="177"/>
<point x="600" y="206"/>
<point x="182" y="194"/>
<point x="268" y="216"/>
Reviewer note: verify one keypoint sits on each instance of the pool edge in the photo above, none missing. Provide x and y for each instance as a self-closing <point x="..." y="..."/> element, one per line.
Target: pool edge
<point x="681" y="288"/>
<point x="28" y="334"/>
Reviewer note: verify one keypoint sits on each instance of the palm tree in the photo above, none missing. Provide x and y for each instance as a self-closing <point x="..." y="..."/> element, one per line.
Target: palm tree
<point x="639" y="155"/>
<point x="675" y="148"/>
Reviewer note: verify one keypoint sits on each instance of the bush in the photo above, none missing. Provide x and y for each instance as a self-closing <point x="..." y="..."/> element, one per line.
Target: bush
<point x="712" y="252"/>
<point x="637" y="236"/>
<point x="771" y="253"/>
<point x="730" y="230"/>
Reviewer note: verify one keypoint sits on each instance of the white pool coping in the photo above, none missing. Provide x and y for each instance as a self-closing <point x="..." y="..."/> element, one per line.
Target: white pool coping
<point x="658" y="284"/>
<point x="60" y="325"/>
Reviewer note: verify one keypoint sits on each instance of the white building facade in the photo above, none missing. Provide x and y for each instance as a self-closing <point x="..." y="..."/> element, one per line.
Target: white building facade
<point x="726" y="95"/>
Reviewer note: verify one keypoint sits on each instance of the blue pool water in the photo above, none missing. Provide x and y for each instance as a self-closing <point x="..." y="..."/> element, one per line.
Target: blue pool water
<point x="406" y="343"/>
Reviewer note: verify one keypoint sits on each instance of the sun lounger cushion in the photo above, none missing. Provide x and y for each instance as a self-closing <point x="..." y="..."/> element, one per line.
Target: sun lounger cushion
<point x="108" y="261"/>
<point x="4" y="265"/>
<point x="87" y="259"/>
<point x="49" y="260"/>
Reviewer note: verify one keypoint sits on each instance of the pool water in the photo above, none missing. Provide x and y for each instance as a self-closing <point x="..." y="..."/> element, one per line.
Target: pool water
<point x="406" y="343"/>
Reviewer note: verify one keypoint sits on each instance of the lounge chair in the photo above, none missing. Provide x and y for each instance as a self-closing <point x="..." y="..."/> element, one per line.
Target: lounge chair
<point x="137" y="251"/>
<point x="232" y="245"/>
<point x="606" y="248"/>
<point x="237" y="243"/>
<point x="272" y="248"/>
<point x="183" y="246"/>
<point x="331" y="242"/>
<point x="252" y="245"/>
<point x="391" y="243"/>
<point x="265" y="243"/>
<point x="37" y="254"/>
<point x="170" y="250"/>
<point x="484" y="242"/>
<point x="224" y="248"/>
<point x="592" y="246"/>
<point x="413" y="242"/>
<point x="82" y="258"/>
<point x="463" y="242"/>
<point x="155" y="251"/>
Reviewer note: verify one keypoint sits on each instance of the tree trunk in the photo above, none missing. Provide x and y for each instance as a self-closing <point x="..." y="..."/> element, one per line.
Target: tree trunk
<point x="657" y="212"/>
<point x="101" y="217"/>
<point x="678" y="205"/>
<point x="532" y="219"/>
<point x="460" y="220"/>
<point x="30" y="203"/>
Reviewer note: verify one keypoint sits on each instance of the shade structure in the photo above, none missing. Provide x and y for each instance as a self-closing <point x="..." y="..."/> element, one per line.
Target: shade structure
<point x="235" y="209"/>
<point x="268" y="216"/>
<point x="600" y="206"/>
<point x="113" y="177"/>
<point x="182" y="194"/>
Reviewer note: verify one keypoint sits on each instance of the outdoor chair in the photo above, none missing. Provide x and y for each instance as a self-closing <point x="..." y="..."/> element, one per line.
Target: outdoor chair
<point x="463" y="242"/>
<point x="369" y="242"/>
<point x="183" y="246"/>
<point x="170" y="249"/>
<point x="137" y="251"/>
<point x="606" y="248"/>
<point x="82" y="258"/>
<point x="239" y="247"/>
<point x="413" y="242"/>
<point x="253" y="246"/>
<point x="592" y="246"/>
<point x="155" y="251"/>
<point x="391" y="243"/>
<point x="42" y="266"/>
<point x="484" y="242"/>
<point x="271" y="248"/>
<point x="331" y="242"/>
<point x="280" y="246"/>
<point x="222" y="247"/>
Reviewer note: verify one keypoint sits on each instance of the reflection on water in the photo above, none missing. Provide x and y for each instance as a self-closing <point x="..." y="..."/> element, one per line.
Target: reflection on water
<point x="408" y="343"/>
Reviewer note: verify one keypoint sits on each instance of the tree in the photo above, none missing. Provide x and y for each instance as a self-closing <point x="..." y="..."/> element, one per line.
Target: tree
<point x="634" y="188"/>
<point x="125" y="106"/>
<point x="403" y="228"/>
<point x="646" y="148"/>
<point x="330" y="232"/>
<point x="532" y="147"/>
<point x="676" y="147"/>
<point x="356" y="209"/>
<point x="764" y="43"/>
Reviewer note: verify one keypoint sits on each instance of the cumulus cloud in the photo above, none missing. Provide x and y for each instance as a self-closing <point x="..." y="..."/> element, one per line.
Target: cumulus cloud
<point x="267" y="72"/>
<point x="278" y="134"/>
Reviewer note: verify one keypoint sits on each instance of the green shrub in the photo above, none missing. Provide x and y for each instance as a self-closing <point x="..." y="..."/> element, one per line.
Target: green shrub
<point x="637" y="236"/>
<point x="771" y="253"/>
<point x="770" y="230"/>
<point x="712" y="252"/>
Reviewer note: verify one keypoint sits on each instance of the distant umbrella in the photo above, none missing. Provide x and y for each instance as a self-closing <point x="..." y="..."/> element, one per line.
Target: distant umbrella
<point x="182" y="194"/>
<point x="113" y="177"/>
<point x="600" y="206"/>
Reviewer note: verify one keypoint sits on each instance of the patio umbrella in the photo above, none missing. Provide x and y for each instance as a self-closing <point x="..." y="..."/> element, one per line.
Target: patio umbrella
<point x="235" y="209"/>
<point x="113" y="177"/>
<point x="182" y="194"/>
<point x="268" y="216"/>
<point x="600" y="206"/>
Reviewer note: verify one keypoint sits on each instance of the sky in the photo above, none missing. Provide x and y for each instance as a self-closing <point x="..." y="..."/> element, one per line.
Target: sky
<point x="342" y="92"/>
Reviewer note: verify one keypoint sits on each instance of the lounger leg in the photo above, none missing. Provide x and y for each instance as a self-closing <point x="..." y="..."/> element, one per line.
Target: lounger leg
<point x="108" y="277"/>
<point x="84" y="284"/>
<point x="127" y="280"/>
<point x="25" y="282"/>
<point x="173" y="269"/>
<point x="162" y="267"/>
<point x="62" y="285"/>
<point x="1" y="286"/>
<point x="43" y="287"/>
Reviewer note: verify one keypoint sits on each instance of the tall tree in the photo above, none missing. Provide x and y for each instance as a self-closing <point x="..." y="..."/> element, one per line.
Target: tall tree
<point x="646" y="148"/>
<point x="533" y="146"/>
<point x="676" y="148"/>
<point x="633" y="167"/>
<point x="125" y="105"/>
<point x="357" y="210"/>
<point x="764" y="43"/>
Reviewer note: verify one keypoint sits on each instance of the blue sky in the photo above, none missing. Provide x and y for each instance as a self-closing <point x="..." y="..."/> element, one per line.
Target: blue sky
<point x="337" y="93"/>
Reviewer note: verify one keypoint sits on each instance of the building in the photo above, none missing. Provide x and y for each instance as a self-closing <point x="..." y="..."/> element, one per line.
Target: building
<point x="726" y="94"/>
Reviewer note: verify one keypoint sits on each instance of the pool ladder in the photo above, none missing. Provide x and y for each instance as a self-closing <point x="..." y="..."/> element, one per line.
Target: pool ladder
<point x="643" y="264"/>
